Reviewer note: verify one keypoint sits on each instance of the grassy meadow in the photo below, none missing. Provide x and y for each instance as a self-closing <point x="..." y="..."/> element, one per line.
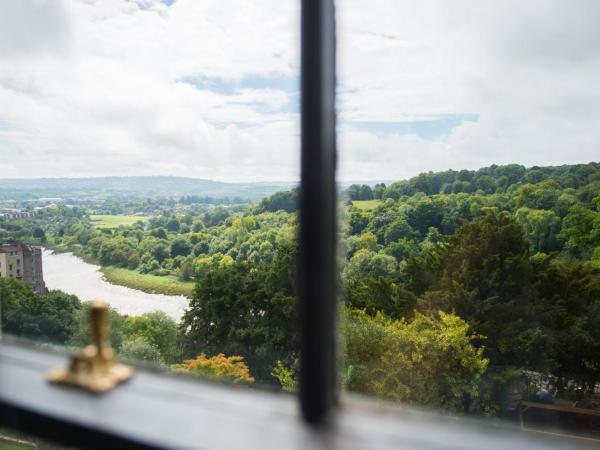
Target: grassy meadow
<point x="366" y="205"/>
<point x="109" y="221"/>
<point x="154" y="284"/>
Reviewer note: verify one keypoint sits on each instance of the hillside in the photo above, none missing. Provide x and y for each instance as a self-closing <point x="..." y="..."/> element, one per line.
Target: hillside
<point x="484" y="277"/>
<point x="146" y="186"/>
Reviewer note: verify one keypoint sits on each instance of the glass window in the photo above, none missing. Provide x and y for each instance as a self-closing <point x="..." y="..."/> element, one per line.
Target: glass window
<point x="154" y="163"/>
<point x="470" y="236"/>
<point x="157" y="143"/>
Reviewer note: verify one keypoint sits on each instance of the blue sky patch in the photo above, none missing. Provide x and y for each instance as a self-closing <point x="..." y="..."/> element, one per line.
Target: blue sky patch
<point x="425" y="129"/>
<point x="229" y="87"/>
<point x="289" y="85"/>
<point x="4" y="126"/>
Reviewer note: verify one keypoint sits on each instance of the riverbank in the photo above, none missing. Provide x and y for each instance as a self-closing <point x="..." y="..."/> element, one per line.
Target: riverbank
<point x="71" y="274"/>
<point x="152" y="284"/>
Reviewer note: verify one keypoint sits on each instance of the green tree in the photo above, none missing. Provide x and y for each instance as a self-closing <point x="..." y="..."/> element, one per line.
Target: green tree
<point x="159" y="233"/>
<point x="365" y="241"/>
<point x="538" y="196"/>
<point x="380" y="295"/>
<point x="82" y="335"/>
<point x="173" y="224"/>
<point x="378" y="190"/>
<point x="428" y="361"/>
<point x="138" y="349"/>
<point x="565" y="296"/>
<point x="581" y="229"/>
<point x="483" y="274"/>
<point x="366" y="193"/>
<point x="39" y="234"/>
<point x="285" y="200"/>
<point x="180" y="247"/>
<point x="398" y="229"/>
<point x="160" y="251"/>
<point x="541" y="229"/>
<point x="158" y="330"/>
<point x="50" y="317"/>
<point x="246" y="310"/>
<point x="366" y="264"/>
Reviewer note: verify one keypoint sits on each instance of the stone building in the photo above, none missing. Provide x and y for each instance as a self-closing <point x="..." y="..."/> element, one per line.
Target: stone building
<point x="23" y="262"/>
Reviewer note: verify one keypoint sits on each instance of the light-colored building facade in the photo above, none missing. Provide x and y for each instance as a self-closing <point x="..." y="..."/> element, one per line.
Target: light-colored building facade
<point x="23" y="262"/>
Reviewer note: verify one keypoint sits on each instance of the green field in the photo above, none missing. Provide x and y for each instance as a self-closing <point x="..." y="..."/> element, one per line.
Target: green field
<point x="148" y="283"/>
<point x="366" y="205"/>
<point x="107" y="221"/>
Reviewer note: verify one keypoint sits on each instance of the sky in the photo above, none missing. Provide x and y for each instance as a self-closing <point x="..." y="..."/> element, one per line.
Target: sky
<point x="210" y="88"/>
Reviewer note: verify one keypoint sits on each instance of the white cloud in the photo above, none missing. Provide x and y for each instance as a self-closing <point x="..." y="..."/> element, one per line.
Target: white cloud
<point x="111" y="101"/>
<point x="95" y="87"/>
<point x="528" y="69"/>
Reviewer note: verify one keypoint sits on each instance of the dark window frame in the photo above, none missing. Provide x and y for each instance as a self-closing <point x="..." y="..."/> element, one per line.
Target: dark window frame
<point x="158" y="411"/>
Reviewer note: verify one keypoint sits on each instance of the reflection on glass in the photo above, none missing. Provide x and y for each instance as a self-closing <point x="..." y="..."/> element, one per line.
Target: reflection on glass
<point x="13" y="440"/>
<point x="471" y="245"/>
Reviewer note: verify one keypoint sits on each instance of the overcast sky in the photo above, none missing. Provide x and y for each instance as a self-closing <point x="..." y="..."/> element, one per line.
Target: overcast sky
<point x="209" y="88"/>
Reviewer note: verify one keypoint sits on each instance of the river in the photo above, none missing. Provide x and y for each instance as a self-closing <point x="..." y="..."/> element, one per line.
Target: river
<point x="73" y="275"/>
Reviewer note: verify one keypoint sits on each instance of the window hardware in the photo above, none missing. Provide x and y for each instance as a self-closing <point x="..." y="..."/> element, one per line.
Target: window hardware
<point x="96" y="369"/>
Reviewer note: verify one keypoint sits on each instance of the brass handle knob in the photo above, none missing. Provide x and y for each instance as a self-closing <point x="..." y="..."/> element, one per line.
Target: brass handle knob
<point x="99" y="316"/>
<point x="96" y="369"/>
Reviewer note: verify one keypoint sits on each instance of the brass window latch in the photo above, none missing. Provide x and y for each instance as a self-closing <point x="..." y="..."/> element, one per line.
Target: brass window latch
<point x="96" y="369"/>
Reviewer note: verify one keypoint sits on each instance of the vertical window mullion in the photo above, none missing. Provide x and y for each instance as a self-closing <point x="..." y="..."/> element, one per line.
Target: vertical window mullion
<point x="317" y="263"/>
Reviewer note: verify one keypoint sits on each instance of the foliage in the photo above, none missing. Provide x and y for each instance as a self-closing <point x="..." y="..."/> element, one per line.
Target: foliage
<point x="114" y="221"/>
<point x="365" y="263"/>
<point x="360" y="192"/>
<point x="484" y="277"/>
<point x="512" y="252"/>
<point x="430" y="360"/>
<point x="284" y="200"/>
<point x="380" y="294"/>
<point x="147" y="282"/>
<point x="83" y="336"/>
<point x="285" y="377"/>
<point x="541" y="229"/>
<point x="534" y="310"/>
<point x="50" y="317"/>
<point x="139" y="349"/>
<point x="246" y="310"/>
<point x="582" y="229"/>
<point x="157" y="330"/>
<point x="366" y="205"/>
<point x="231" y="369"/>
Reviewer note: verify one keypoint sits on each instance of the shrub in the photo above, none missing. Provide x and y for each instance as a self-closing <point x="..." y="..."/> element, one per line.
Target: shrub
<point x="225" y="368"/>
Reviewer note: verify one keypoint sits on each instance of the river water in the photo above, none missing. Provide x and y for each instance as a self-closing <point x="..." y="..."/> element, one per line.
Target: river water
<point x="73" y="275"/>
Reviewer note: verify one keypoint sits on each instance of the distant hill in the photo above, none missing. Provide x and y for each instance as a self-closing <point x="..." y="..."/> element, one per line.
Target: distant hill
<point x="495" y="178"/>
<point x="143" y="186"/>
<point x="487" y="180"/>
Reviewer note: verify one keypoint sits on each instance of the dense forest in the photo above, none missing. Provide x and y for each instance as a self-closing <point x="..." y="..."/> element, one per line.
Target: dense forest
<point x="458" y="287"/>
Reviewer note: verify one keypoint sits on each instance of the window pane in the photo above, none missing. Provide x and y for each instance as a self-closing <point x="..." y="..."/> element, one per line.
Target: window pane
<point x="471" y="207"/>
<point x="149" y="155"/>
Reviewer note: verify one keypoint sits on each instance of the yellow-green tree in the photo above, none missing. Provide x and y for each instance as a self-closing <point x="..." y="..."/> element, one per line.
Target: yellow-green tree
<point x="428" y="361"/>
<point x="285" y="376"/>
